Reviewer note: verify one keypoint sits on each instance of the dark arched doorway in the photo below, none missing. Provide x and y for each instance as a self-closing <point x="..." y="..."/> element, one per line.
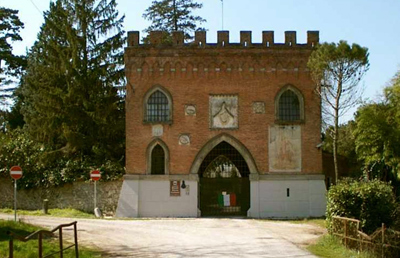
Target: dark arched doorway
<point x="224" y="182"/>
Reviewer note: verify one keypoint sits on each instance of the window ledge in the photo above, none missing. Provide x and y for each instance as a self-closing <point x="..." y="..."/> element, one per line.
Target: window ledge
<point x="294" y="122"/>
<point x="157" y="122"/>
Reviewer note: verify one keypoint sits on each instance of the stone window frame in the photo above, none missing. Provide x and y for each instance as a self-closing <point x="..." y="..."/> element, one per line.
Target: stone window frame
<point x="170" y="104"/>
<point x="149" y="151"/>
<point x="300" y="97"/>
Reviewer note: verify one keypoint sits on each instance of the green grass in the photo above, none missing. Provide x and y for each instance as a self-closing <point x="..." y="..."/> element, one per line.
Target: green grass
<point x="30" y="249"/>
<point x="66" y="213"/>
<point x="330" y="247"/>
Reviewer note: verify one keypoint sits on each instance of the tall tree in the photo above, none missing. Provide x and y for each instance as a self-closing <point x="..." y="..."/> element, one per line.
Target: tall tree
<point x="337" y="70"/>
<point x="173" y="15"/>
<point x="70" y="94"/>
<point x="11" y="65"/>
<point x="377" y="134"/>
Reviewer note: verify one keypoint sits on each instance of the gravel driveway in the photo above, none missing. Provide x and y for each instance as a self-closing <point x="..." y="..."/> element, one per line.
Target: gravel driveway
<point x="189" y="237"/>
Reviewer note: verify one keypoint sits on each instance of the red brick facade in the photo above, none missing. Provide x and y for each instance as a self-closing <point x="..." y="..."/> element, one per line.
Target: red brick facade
<point x="193" y="72"/>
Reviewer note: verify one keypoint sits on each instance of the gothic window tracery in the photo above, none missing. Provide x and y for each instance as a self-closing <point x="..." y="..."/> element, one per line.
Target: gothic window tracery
<point x="289" y="105"/>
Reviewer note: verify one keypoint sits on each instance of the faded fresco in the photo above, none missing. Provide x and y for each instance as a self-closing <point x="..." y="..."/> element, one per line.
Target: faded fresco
<point x="223" y="111"/>
<point x="285" y="148"/>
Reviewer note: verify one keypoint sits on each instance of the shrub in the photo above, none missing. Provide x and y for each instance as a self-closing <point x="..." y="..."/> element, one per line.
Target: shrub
<point x="43" y="167"/>
<point x="371" y="202"/>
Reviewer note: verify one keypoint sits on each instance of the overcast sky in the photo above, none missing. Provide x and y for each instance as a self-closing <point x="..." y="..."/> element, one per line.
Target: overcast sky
<point x="374" y="24"/>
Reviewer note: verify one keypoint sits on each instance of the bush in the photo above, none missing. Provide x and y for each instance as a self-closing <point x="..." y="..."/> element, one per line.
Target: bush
<point x="371" y="202"/>
<point x="43" y="167"/>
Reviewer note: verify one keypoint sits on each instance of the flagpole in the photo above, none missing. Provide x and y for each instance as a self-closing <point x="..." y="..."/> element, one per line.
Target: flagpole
<point x="222" y="2"/>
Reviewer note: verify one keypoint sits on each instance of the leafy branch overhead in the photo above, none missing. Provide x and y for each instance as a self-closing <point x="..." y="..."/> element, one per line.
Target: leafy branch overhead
<point x="337" y="69"/>
<point x="173" y="15"/>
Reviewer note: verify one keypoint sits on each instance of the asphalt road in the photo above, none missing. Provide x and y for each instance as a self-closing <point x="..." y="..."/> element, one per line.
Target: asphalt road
<point x="189" y="237"/>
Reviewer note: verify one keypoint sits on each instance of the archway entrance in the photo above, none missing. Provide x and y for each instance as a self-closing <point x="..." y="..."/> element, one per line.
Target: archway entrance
<point x="224" y="182"/>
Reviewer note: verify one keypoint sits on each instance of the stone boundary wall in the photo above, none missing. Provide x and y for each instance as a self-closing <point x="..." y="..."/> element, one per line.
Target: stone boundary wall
<point x="78" y="196"/>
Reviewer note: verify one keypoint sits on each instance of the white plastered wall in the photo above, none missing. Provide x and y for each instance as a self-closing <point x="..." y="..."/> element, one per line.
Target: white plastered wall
<point x="149" y="196"/>
<point x="269" y="198"/>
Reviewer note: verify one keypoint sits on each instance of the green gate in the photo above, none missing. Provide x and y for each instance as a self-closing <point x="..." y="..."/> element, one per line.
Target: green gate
<point x="224" y="183"/>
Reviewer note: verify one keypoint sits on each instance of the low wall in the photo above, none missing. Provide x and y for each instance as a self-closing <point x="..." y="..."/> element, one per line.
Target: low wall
<point x="287" y="196"/>
<point x="149" y="196"/>
<point x="78" y="196"/>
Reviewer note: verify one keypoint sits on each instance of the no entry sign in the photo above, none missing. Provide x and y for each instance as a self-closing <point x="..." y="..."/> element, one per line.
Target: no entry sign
<point x="16" y="172"/>
<point x="95" y="175"/>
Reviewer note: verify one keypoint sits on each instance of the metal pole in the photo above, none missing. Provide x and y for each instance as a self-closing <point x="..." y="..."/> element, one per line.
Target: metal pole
<point x="15" y="200"/>
<point x="222" y="1"/>
<point x="95" y="194"/>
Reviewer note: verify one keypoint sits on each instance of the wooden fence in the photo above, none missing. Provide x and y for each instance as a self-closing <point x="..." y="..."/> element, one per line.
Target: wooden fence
<point x="39" y="234"/>
<point x="384" y="241"/>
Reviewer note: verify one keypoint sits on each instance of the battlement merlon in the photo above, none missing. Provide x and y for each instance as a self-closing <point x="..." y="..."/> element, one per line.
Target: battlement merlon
<point x="156" y="39"/>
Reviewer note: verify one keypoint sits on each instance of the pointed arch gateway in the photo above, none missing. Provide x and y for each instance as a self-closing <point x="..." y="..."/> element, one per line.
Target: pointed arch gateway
<point x="224" y="165"/>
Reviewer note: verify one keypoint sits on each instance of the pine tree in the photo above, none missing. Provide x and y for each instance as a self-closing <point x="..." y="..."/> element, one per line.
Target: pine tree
<point x="70" y="94"/>
<point x="11" y="65"/>
<point x="173" y="15"/>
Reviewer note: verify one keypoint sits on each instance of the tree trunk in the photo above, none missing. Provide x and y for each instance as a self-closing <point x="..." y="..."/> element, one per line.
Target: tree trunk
<point x="335" y="143"/>
<point x="336" y="128"/>
<point x="175" y="18"/>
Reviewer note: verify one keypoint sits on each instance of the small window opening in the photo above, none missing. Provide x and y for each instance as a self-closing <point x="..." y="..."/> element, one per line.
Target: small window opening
<point x="312" y="44"/>
<point x="290" y="43"/>
<point x="223" y="43"/>
<point x="287" y="192"/>
<point x="157" y="161"/>
<point x="200" y="43"/>
<point x="245" y="43"/>
<point x="267" y="43"/>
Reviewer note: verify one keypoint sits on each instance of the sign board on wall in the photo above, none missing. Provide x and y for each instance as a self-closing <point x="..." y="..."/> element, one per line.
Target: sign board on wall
<point x="175" y="188"/>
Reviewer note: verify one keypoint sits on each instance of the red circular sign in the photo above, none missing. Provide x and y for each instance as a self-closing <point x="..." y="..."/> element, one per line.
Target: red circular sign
<point x="95" y="175"/>
<point x="16" y="172"/>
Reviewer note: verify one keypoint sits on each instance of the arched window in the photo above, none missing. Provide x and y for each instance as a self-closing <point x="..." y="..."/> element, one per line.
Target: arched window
<point x="289" y="105"/>
<point x="157" y="161"/>
<point x="157" y="154"/>
<point x="157" y="106"/>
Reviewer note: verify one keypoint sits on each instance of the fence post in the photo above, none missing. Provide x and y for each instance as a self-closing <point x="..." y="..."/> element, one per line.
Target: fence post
<point x="11" y="248"/>
<point x="383" y="240"/>
<point x="345" y="233"/>
<point x="76" y="241"/>
<point x="60" y="239"/>
<point x="40" y="245"/>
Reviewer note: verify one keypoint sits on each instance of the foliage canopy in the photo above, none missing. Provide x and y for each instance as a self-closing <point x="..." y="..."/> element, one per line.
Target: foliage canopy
<point x="337" y="70"/>
<point x="173" y="15"/>
<point x="11" y="65"/>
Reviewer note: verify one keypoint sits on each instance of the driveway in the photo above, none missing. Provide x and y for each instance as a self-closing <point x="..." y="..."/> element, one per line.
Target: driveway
<point x="189" y="237"/>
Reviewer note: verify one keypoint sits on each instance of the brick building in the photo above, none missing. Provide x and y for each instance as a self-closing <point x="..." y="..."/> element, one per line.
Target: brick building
<point x="221" y="129"/>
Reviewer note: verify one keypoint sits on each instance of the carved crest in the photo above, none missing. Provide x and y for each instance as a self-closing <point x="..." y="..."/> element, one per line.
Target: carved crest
<point x="224" y="111"/>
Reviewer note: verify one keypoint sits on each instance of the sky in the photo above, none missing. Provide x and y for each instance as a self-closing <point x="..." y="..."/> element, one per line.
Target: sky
<point x="374" y="24"/>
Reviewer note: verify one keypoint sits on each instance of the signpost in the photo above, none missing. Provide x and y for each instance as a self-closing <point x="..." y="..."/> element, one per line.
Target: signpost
<point x="95" y="176"/>
<point x="15" y="173"/>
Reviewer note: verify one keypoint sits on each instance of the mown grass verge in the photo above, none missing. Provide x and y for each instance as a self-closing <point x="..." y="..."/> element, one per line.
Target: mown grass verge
<point x="329" y="246"/>
<point x="66" y="213"/>
<point x="30" y="249"/>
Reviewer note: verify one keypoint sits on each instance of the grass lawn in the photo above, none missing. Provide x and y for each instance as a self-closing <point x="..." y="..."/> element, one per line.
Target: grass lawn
<point x="330" y="247"/>
<point x="30" y="249"/>
<point x="66" y="213"/>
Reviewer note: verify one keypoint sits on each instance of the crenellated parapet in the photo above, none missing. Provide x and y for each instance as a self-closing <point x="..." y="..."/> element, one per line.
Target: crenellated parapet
<point x="200" y="59"/>
<point x="156" y="40"/>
